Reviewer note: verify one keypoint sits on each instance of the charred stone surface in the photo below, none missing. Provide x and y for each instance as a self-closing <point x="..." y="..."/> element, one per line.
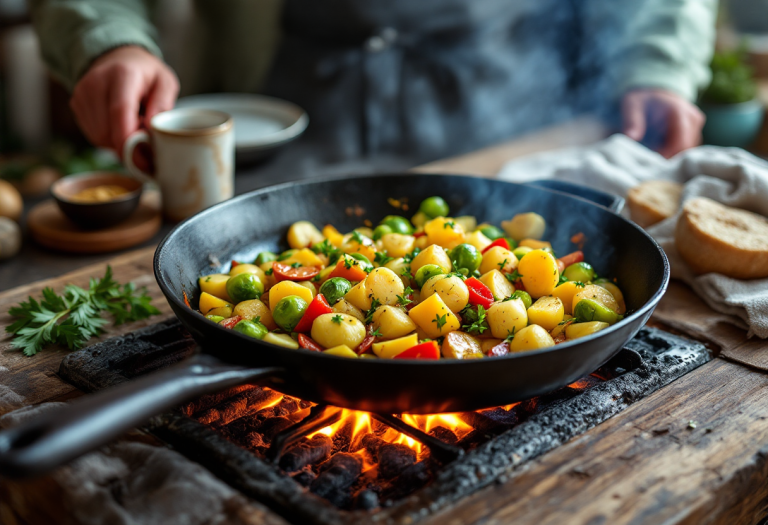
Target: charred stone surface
<point x="501" y="441"/>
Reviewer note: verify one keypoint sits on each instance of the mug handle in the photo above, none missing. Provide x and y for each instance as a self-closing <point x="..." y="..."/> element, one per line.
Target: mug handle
<point x="138" y="137"/>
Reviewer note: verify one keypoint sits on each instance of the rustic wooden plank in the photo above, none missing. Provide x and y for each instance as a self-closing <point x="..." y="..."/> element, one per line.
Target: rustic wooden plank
<point x="30" y="380"/>
<point x="647" y="465"/>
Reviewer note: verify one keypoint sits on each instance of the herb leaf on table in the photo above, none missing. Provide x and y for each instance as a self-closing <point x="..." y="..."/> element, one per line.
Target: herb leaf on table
<point x="74" y="317"/>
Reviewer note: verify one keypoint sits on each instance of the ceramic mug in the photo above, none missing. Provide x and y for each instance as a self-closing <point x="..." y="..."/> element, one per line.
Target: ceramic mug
<point x="194" y="154"/>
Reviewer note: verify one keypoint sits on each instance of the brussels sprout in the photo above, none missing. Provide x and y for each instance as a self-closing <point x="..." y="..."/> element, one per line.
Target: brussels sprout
<point x="289" y="311"/>
<point x="491" y="231"/>
<point x="520" y="251"/>
<point x="589" y="310"/>
<point x="251" y="329"/>
<point x="425" y="272"/>
<point x="380" y="231"/>
<point x="580" y="271"/>
<point x="398" y="224"/>
<point x="523" y="296"/>
<point x="334" y="289"/>
<point x="264" y="257"/>
<point x="466" y="256"/>
<point x="214" y="318"/>
<point x="434" y="207"/>
<point x="244" y="286"/>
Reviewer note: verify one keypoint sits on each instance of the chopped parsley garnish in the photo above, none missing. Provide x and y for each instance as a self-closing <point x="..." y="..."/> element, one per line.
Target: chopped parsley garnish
<point x="449" y="224"/>
<point x="337" y="319"/>
<point x="514" y="276"/>
<point x="440" y="320"/>
<point x="563" y="279"/>
<point x="409" y="256"/>
<point x="403" y="300"/>
<point x="376" y="333"/>
<point x="296" y="265"/>
<point x="579" y="284"/>
<point x="375" y="303"/>
<point x="269" y="272"/>
<point x="502" y="264"/>
<point x="478" y="325"/>
<point x="381" y="258"/>
<point x="357" y="237"/>
<point x="510" y="335"/>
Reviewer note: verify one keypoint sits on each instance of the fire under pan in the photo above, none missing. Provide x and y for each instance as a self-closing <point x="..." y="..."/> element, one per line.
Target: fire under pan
<point x="320" y="464"/>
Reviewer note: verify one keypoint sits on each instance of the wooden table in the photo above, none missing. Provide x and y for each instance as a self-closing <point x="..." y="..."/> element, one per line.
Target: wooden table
<point x="645" y="465"/>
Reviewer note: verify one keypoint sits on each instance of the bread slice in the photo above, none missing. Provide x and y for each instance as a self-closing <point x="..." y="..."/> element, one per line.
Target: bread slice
<point x="712" y="237"/>
<point x="653" y="201"/>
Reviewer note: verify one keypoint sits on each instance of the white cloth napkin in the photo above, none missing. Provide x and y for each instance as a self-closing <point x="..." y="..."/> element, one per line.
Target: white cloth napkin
<point x="728" y="175"/>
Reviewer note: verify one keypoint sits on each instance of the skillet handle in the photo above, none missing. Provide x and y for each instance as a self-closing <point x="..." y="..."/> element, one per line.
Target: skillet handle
<point x="57" y="437"/>
<point x="608" y="200"/>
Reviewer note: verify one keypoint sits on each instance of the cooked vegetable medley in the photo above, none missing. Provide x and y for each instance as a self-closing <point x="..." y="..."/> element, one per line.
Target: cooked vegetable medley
<point x="427" y="288"/>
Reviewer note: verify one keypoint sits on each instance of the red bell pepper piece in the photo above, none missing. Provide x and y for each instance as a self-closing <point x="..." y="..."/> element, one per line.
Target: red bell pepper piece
<point x="479" y="293"/>
<point x="501" y="241"/>
<point x="234" y="263"/>
<point x="316" y="308"/>
<point x="498" y="350"/>
<point x="365" y="345"/>
<point x="309" y="344"/>
<point x="428" y="350"/>
<point x="571" y="258"/>
<point x="230" y="322"/>
<point x="419" y="234"/>
<point x="286" y="272"/>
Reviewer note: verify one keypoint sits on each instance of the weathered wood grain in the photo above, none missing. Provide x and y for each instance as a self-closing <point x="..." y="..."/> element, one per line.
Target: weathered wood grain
<point x="648" y="465"/>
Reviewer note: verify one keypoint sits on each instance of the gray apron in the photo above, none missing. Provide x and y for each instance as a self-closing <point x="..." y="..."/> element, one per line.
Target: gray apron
<point x="425" y="79"/>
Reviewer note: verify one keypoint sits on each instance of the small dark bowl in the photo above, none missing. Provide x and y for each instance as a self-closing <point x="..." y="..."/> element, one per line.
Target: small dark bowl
<point x="96" y="215"/>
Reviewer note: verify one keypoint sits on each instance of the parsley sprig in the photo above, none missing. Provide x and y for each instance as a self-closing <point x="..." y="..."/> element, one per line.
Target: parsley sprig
<point x="375" y="303"/>
<point x="404" y="300"/>
<point x="74" y="317"/>
<point x="440" y="320"/>
<point x="381" y="258"/>
<point x="477" y="324"/>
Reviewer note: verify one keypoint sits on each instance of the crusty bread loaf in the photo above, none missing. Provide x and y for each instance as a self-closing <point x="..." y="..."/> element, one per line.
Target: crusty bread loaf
<point x="653" y="201"/>
<point x="712" y="237"/>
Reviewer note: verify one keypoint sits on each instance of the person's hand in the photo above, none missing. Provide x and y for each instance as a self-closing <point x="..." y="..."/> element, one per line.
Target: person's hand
<point x="108" y="98"/>
<point x="662" y="119"/>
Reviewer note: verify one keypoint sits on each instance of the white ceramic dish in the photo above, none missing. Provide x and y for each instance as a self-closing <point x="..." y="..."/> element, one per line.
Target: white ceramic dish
<point x="262" y="124"/>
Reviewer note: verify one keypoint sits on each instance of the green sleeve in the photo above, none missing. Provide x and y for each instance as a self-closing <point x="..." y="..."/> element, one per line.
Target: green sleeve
<point x="669" y="45"/>
<point x="73" y="33"/>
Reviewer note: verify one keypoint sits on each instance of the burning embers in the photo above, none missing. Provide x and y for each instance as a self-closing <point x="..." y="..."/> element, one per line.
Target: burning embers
<point x="357" y="460"/>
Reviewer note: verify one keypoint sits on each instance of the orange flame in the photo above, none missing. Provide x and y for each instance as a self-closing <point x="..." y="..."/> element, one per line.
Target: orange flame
<point x="272" y="403"/>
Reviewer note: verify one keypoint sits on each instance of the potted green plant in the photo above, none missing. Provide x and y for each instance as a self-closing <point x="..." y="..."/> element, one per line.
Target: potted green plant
<point x="734" y="113"/>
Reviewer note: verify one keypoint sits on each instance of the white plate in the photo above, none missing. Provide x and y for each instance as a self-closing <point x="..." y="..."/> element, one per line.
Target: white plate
<point x="262" y="124"/>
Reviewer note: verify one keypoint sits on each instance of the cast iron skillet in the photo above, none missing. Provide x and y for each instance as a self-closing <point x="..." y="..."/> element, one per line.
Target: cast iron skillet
<point x="241" y="227"/>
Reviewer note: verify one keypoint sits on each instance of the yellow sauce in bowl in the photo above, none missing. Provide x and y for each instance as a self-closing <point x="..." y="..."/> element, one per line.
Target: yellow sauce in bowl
<point x="104" y="193"/>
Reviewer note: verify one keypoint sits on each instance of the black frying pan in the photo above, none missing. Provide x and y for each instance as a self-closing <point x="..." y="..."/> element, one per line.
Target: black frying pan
<point x="241" y="227"/>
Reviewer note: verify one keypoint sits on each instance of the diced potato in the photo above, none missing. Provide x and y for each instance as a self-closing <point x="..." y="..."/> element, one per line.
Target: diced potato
<point x="325" y="274"/>
<point x="535" y="244"/>
<point x="330" y="330"/>
<point x="461" y="345"/>
<point x="499" y="285"/>
<point x="576" y="330"/>
<point x="366" y="247"/>
<point x="597" y="293"/>
<point x="561" y="326"/>
<point x="498" y="258"/>
<point x="487" y="344"/>
<point x="445" y="232"/>
<point x="343" y="306"/>
<point x="419" y="220"/>
<point x="385" y="285"/>
<point x="539" y="273"/>
<point x="505" y="317"/>
<point x="432" y="311"/>
<point x="341" y="351"/>
<point x="216" y="285"/>
<point x="249" y="268"/>
<point x="392" y="322"/>
<point x="286" y="288"/>
<point x="432" y="254"/>
<point x="615" y="292"/>
<point x="254" y="308"/>
<point x="397" y="244"/>
<point x="451" y="290"/>
<point x="467" y="222"/>
<point x="525" y="226"/>
<point x="546" y="312"/>
<point x="222" y="311"/>
<point x="478" y="240"/>
<point x="421" y="242"/>
<point x="304" y="257"/>
<point x="283" y="340"/>
<point x="565" y="292"/>
<point x="303" y="234"/>
<point x="531" y="338"/>
<point x="389" y="349"/>
<point x="400" y="267"/>
<point x="358" y="296"/>
<point x="309" y="286"/>
<point x="333" y="235"/>
<point x="208" y="302"/>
